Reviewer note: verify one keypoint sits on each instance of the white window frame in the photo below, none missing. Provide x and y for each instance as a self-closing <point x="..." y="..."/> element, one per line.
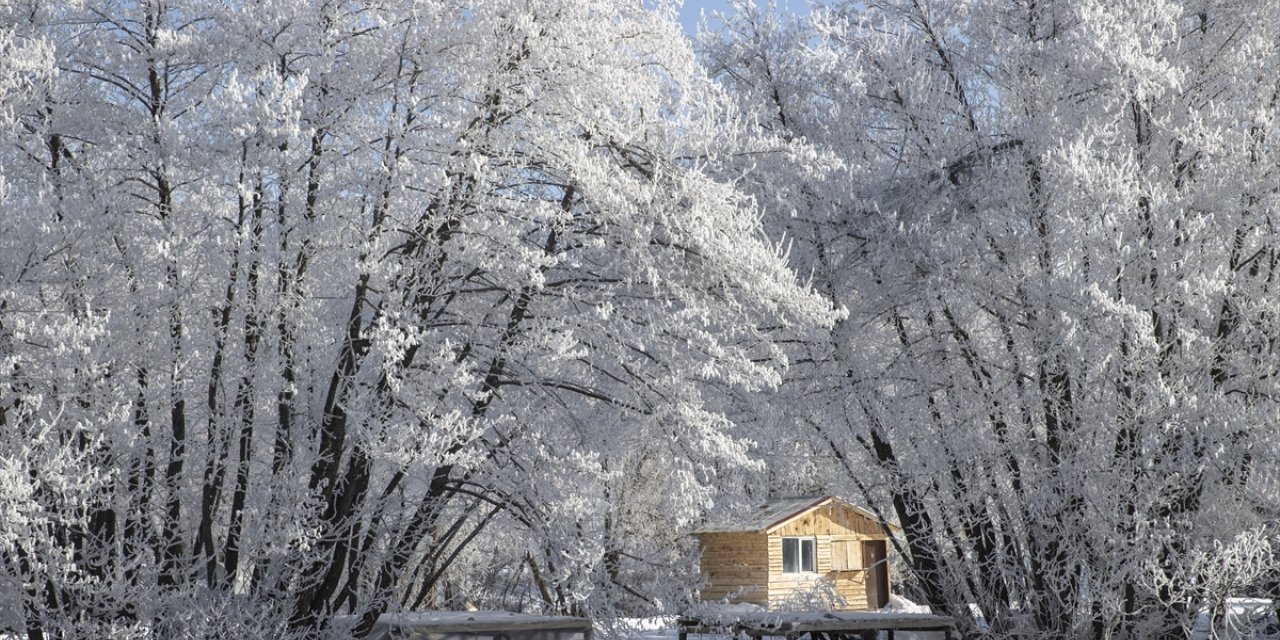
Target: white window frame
<point x="801" y="542"/>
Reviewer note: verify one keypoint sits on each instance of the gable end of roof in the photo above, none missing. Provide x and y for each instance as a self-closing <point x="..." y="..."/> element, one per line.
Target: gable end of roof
<point x="779" y="512"/>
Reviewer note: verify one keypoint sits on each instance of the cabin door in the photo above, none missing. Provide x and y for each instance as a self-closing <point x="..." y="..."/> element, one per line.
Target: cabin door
<point x="875" y="562"/>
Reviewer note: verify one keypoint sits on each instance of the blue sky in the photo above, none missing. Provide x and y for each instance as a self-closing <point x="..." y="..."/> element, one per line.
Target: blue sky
<point x="692" y="10"/>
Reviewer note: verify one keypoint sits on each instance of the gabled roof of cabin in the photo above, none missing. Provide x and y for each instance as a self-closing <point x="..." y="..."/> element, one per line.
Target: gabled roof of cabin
<point x="779" y="511"/>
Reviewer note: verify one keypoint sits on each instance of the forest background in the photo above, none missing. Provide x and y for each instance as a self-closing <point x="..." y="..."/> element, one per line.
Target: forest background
<point x="317" y="306"/>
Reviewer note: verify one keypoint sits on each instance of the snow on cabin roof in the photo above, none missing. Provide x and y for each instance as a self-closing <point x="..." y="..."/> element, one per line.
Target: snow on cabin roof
<point x="779" y="511"/>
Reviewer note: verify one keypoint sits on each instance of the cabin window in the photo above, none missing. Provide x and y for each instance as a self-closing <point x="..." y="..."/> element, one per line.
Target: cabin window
<point x="798" y="555"/>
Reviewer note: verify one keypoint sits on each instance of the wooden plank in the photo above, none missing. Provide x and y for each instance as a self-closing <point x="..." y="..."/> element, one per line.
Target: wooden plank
<point x="832" y="519"/>
<point x="745" y="580"/>
<point x="758" y="597"/>
<point x="785" y="623"/>
<point x="791" y="585"/>
<point x="841" y="555"/>
<point x="476" y="622"/>
<point x="735" y="566"/>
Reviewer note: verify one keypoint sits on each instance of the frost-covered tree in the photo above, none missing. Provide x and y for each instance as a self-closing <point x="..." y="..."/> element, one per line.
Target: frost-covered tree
<point x="302" y="303"/>
<point x="1053" y="234"/>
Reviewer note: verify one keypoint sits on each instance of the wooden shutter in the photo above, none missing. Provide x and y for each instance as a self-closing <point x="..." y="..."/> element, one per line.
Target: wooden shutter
<point x="844" y="555"/>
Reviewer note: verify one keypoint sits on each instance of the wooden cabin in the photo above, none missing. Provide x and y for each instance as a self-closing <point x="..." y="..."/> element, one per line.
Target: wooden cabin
<point x="786" y="546"/>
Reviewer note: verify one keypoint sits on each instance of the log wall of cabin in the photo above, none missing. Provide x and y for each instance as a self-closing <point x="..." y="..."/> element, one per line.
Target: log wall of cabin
<point x="735" y="564"/>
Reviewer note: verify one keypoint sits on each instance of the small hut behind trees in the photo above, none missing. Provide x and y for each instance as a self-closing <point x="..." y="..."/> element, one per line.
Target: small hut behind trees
<point x="789" y="547"/>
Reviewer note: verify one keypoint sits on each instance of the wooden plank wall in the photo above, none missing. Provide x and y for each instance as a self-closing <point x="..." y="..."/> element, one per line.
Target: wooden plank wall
<point x="849" y="584"/>
<point x="828" y="525"/>
<point x="852" y="586"/>
<point x="748" y="566"/>
<point x="832" y="520"/>
<point x="735" y="563"/>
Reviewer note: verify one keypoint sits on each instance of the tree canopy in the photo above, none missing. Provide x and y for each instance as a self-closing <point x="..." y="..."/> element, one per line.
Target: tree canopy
<point x="315" y="307"/>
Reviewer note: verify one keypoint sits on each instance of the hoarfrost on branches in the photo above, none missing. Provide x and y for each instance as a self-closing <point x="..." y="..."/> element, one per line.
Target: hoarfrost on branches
<point x="1053" y="232"/>
<point x="323" y="307"/>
